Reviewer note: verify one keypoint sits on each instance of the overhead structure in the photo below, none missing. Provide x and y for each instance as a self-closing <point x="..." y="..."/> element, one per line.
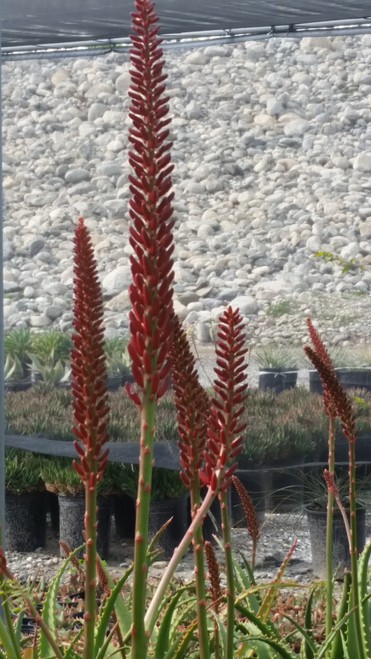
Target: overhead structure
<point x="37" y="26"/>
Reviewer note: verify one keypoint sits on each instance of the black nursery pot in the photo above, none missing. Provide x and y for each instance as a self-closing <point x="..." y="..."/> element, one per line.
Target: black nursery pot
<point x="71" y="522"/>
<point x="25" y="516"/>
<point x="124" y="512"/>
<point x="315" y="384"/>
<point x="284" y="488"/>
<point x="317" y="520"/>
<point x="212" y="524"/>
<point x="358" y="378"/>
<point x="161" y="510"/>
<point x="277" y="379"/>
<point x="52" y="506"/>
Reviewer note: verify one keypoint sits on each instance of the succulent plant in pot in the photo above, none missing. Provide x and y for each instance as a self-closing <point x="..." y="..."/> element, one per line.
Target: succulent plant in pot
<point x="315" y="506"/>
<point x="278" y="367"/>
<point x="169" y="499"/>
<point x="25" y="501"/>
<point x="17" y="346"/>
<point x="49" y="358"/>
<point x="117" y="361"/>
<point x="61" y="479"/>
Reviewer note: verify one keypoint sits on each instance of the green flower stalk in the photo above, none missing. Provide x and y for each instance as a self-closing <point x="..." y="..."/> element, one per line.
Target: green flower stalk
<point x="338" y="403"/>
<point x="224" y="441"/>
<point x="88" y="387"/>
<point x="192" y="405"/>
<point x="330" y="411"/>
<point x="151" y="266"/>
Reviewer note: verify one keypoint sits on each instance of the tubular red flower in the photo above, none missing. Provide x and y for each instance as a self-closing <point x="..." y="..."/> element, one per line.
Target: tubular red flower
<point x="338" y="401"/>
<point x="224" y="426"/>
<point x="150" y="206"/>
<point x="214" y="575"/>
<point x="322" y="353"/>
<point x="248" y="509"/>
<point x="88" y="370"/>
<point x="192" y="405"/>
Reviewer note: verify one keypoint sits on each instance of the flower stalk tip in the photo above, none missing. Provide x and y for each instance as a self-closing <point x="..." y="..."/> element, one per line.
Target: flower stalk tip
<point x="89" y="401"/>
<point x="224" y="441"/>
<point x="150" y="208"/>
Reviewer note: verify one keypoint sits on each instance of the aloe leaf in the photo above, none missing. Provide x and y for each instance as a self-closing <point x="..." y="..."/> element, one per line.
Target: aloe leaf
<point x="337" y="647"/>
<point x="163" y="632"/>
<point x="179" y="652"/>
<point x="326" y="645"/>
<point x="345" y="648"/>
<point x="271" y="594"/>
<point x="222" y="634"/>
<point x="280" y="650"/>
<point x="182" y="639"/>
<point x="70" y="653"/>
<point x="48" y="613"/>
<point x="13" y="635"/>
<point x="18" y="628"/>
<point x="307" y="635"/>
<point x="308" y="650"/>
<point x="264" y="626"/>
<point x="114" y="602"/>
<point x="12" y="652"/>
<point x="363" y="563"/>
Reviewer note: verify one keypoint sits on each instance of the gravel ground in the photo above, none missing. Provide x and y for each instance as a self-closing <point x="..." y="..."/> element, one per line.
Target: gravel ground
<point x="278" y="532"/>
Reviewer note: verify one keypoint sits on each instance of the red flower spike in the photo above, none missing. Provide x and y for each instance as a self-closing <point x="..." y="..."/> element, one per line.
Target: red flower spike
<point x="224" y="425"/>
<point x="150" y="207"/>
<point x="88" y="371"/>
<point x="322" y="353"/>
<point x="338" y="402"/>
<point x="330" y="483"/>
<point x="191" y="402"/>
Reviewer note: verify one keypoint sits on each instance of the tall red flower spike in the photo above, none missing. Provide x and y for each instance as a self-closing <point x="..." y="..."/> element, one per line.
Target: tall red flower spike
<point x="224" y="442"/>
<point x="192" y="405"/>
<point x="322" y="353"/>
<point x="88" y="367"/>
<point x="150" y="209"/>
<point x="336" y="400"/>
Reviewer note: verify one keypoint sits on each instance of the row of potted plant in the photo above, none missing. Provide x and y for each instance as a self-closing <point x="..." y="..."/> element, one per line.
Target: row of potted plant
<point x="214" y="617"/>
<point x="35" y="484"/>
<point x="279" y="367"/>
<point x="277" y="434"/>
<point x="32" y="357"/>
<point x="44" y="357"/>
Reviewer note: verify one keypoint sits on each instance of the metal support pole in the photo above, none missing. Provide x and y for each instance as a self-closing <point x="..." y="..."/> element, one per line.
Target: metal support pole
<point x="2" y="442"/>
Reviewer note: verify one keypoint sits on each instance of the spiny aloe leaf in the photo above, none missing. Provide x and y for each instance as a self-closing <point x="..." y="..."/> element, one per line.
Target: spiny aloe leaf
<point x="70" y="653"/>
<point x="345" y="648"/>
<point x="114" y="602"/>
<point x="307" y="649"/>
<point x="337" y="647"/>
<point x="264" y="626"/>
<point x="363" y="563"/>
<point x="163" y="632"/>
<point x="181" y="639"/>
<point x="182" y="646"/>
<point x="281" y="651"/>
<point x="48" y="613"/>
<point x="271" y="594"/>
<point x="176" y="622"/>
<point x="11" y="651"/>
<point x="327" y="643"/>
<point x="307" y="636"/>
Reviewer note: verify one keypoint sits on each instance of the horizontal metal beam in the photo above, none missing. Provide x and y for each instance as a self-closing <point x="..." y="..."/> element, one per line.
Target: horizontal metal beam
<point x="190" y="39"/>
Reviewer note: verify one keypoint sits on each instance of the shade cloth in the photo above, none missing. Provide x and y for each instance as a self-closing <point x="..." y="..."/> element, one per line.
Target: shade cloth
<point x="35" y="22"/>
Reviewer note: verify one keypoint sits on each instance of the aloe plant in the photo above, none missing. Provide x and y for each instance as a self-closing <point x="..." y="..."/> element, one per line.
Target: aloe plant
<point x="17" y="346"/>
